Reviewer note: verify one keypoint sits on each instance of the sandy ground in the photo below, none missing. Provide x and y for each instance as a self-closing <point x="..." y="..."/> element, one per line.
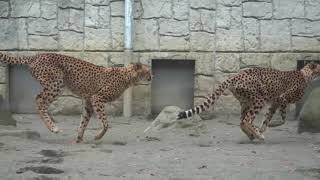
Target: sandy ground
<point x="216" y="149"/>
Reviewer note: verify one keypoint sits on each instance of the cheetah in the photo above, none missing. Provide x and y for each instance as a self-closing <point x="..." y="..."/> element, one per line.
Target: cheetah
<point x="254" y="88"/>
<point x="96" y="85"/>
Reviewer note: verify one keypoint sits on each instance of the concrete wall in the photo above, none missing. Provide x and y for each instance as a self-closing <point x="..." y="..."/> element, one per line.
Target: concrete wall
<point x="222" y="36"/>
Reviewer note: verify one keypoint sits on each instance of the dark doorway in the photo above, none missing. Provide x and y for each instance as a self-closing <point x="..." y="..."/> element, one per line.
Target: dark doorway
<point x="23" y="90"/>
<point x="173" y="84"/>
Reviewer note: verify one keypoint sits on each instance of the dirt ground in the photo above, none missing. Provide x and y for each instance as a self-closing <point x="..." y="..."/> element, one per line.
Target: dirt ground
<point x="213" y="149"/>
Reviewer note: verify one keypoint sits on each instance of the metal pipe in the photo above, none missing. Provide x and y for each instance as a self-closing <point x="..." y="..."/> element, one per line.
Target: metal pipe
<point x="128" y="18"/>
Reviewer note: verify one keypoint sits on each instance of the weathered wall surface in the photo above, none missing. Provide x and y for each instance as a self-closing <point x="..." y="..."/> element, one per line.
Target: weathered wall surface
<point x="222" y="36"/>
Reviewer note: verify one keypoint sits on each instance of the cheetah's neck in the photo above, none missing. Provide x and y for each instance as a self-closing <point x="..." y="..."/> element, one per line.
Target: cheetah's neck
<point x="131" y="77"/>
<point x="307" y="75"/>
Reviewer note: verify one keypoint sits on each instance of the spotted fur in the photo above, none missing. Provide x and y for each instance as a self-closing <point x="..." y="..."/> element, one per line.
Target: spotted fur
<point x="257" y="86"/>
<point x="95" y="84"/>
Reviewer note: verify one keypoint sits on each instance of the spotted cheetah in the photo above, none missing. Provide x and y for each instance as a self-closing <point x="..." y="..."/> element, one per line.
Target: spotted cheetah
<point x="95" y="84"/>
<point x="255" y="87"/>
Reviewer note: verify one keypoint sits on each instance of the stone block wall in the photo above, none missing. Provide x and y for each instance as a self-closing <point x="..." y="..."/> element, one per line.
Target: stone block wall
<point x="222" y="36"/>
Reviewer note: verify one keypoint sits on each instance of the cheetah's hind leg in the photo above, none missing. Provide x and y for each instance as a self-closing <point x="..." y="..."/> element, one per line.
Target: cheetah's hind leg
<point x="51" y="80"/>
<point x="246" y="124"/>
<point x="98" y="106"/>
<point x="251" y="131"/>
<point x="85" y="118"/>
<point x="44" y="99"/>
<point x="244" y="110"/>
<point x="268" y="116"/>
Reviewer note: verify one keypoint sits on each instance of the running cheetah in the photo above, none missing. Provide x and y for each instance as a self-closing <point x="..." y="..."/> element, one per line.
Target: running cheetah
<point x="95" y="84"/>
<point x="257" y="86"/>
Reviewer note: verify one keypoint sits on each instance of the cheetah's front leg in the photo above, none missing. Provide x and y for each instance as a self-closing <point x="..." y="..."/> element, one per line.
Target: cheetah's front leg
<point x="283" y="100"/>
<point x="283" y="114"/>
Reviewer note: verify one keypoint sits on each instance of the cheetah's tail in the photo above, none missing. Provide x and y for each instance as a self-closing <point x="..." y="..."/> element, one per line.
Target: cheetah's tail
<point x="5" y="58"/>
<point x="210" y="100"/>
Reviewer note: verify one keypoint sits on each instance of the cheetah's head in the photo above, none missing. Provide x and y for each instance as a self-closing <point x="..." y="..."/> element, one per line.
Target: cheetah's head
<point x="311" y="71"/>
<point x="143" y="71"/>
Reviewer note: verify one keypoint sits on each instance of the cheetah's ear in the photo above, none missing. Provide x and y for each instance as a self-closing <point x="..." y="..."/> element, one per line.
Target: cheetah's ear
<point x="137" y="66"/>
